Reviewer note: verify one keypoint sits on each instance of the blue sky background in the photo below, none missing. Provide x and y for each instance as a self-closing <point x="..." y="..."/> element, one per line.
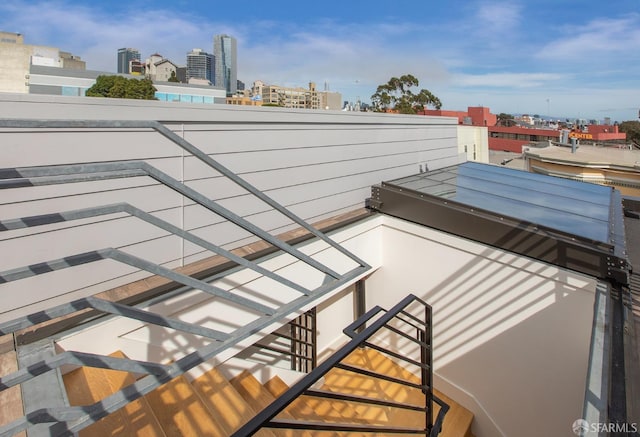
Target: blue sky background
<point x="564" y="58"/>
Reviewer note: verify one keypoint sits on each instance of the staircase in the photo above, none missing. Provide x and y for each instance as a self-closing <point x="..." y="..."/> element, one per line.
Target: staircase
<point x="211" y="405"/>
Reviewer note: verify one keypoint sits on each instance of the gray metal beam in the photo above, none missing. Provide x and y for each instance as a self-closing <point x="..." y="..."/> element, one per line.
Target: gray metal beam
<point x="125" y="258"/>
<point x="73" y="419"/>
<point x="87" y="172"/>
<point x="185" y="145"/>
<point x="44" y="391"/>
<point x="51" y="361"/>
<point x="155" y="319"/>
<point x="45" y="219"/>
<point x="149" y="383"/>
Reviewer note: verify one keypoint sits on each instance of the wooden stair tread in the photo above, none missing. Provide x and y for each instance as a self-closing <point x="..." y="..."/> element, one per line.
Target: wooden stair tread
<point x="253" y="392"/>
<point x="457" y="422"/>
<point x="87" y="385"/>
<point x="458" y="419"/>
<point x="306" y="407"/>
<point x="181" y="412"/>
<point x="259" y="398"/>
<point x="227" y="407"/>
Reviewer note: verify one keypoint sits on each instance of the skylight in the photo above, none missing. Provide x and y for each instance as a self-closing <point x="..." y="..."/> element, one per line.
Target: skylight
<point x="570" y="206"/>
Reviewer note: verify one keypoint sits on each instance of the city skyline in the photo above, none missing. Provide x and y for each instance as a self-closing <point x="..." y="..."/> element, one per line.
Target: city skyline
<point x="561" y="59"/>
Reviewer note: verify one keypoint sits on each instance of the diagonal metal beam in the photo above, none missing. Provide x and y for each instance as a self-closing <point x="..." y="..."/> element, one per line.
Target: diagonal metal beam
<point x="46" y="219"/>
<point x="163" y="130"/>
<point x="155" y="319"/>
<point x="88" y="172"/>
<point x="185" y="145"/>
<point x="80" y="359"/>
<point x="125" y="258"/>
<point x="149" y="383"/>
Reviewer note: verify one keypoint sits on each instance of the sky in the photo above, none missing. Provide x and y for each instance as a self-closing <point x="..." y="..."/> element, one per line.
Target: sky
<point x="559" y="58"/>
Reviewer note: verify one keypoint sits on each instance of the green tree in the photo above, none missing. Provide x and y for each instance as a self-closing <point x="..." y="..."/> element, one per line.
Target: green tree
<point x="396" y="94"/>
<point x="632" y="129"/>
<point x="505" y="120"/>
<point x="119" y="87"/>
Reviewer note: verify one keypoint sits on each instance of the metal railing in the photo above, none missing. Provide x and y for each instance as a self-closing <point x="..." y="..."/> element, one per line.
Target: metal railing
<point x="65" y="420"/>
<point x="401" y="323"/>
<point x="294" y="343"/>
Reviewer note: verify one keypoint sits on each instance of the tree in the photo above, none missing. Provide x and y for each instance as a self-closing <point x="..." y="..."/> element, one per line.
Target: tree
<point x="119" y="87"/>
<point x="505" y="120"/>
<point x="632" y="129"/>
<point x="173" y="77"/>
<point x="396" y="94"/>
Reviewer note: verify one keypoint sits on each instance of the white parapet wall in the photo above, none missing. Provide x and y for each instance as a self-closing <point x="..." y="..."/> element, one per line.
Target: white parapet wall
<point x="316" y="163"/>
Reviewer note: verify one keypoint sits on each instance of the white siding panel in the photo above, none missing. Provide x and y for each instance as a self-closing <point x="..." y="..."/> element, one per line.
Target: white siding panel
<point x="316" y="163"/>
<point x="47" y="148"/>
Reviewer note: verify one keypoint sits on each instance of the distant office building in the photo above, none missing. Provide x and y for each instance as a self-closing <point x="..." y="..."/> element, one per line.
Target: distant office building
<point x="160" y="69"/>
<point x="200" y="65"/>
<point x="137" y="68"/>
<point x="72" y="62"/>
<point x="17" y="57"/>
<point x="240" y="85"/>
<point x="285" y="97"/>
<point x="66" y="82"/>
<point x="125" y="56"/>
<point x="225" y="51"/>
<point x="330" y="100"/>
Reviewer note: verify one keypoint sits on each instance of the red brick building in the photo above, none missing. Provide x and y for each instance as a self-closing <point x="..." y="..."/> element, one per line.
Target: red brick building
<point x="512" y="138"/>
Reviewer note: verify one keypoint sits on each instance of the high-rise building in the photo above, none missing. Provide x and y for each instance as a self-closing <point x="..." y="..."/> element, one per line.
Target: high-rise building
<point x="226" y="52"/>
<point x="125" y="56"/>
<point x="200" y="65"/>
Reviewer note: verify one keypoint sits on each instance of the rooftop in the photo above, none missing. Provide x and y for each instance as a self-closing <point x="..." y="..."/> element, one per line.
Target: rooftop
<point x="590" y="156"/>
<point x="522" y="271"/>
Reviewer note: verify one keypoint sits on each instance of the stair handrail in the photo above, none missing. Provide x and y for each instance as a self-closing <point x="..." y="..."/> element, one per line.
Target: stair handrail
<point x="432" y="428"/>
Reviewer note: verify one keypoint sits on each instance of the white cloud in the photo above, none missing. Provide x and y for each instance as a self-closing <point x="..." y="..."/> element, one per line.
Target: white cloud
<point x="507" y="80"/>
<point x="498" y="17"/>
<point x="483" y="55"/>
<point x="96" y="36"/>
<point x="596" y="41"/>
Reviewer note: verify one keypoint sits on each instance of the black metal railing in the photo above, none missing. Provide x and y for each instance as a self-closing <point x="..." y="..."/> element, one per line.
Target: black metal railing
<point x="294" y="343"/>
<point x="401" y="326"/>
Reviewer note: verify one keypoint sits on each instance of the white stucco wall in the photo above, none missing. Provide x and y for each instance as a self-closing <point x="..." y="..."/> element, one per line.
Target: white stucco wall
<point x="511" y="334"/>
<point x="473" y="143"/>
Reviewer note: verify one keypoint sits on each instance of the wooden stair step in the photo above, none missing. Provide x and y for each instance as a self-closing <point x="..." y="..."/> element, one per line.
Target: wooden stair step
<point x="227" y="407"/>
<point x="87" y="385"/>
<point x="181" y="412"/>
<point x="457" y="422"/>
<point x="308" y="408"/>
<point x="259" y="398"/>
<point x="10" y="399"/>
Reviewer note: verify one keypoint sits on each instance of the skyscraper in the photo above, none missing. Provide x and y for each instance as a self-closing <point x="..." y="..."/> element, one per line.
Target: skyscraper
<point x="200" y="65"/>
<point x="125" y="56"/>
<point x="226" y="54"/>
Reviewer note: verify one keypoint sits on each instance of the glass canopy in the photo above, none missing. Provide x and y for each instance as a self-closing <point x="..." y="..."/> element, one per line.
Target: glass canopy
<point x="578" y="208"/>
